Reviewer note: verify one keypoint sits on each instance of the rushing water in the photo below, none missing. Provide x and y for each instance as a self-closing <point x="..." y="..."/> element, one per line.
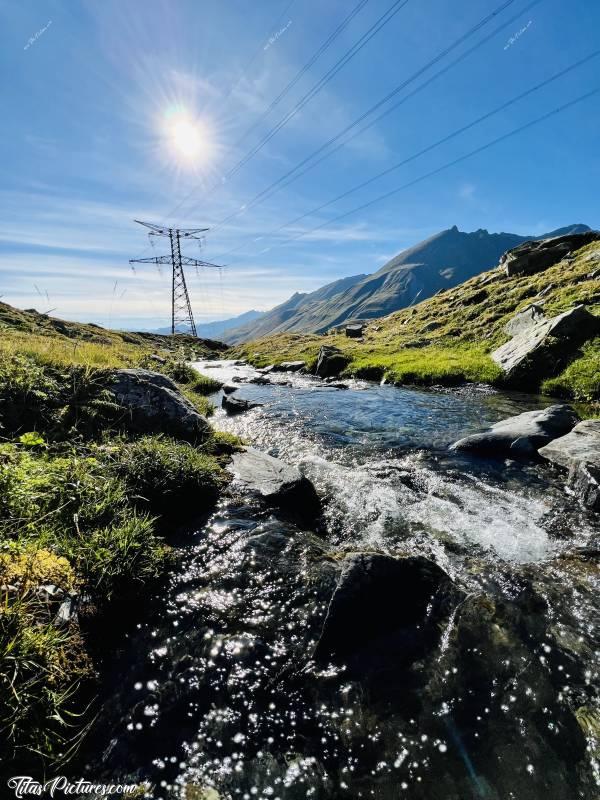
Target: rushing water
<point x="217" y="694"/>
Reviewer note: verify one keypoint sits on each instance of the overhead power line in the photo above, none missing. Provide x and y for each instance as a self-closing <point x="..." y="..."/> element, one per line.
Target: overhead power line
<point x="314" y="91"/>
<point x="322" y="82"/>
<point x="291" y="176"/>
<point x="326" y="44"/>
<point x="433" y="146"/>
<point x="443" y="168"/>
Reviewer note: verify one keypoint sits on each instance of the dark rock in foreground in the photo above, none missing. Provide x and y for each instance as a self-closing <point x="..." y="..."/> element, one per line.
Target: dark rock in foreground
<point x="579" y="452"/>
<point x="540" y="348"/>
<point x="536" y="256"/>
<point x="384" y="610"/>
<point x="276" y="482"/>
<point x="330" y="362"/>
<point x="236" y="405"/>
<point x="521" y="436"/>
<point x="154" y="404"/>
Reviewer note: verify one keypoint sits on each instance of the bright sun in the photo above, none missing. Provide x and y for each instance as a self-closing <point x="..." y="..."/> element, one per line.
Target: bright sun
<point x="188" y="138"/>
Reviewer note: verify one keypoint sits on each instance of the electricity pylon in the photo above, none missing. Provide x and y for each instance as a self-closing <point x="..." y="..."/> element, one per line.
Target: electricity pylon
<point x="181" y="308"/>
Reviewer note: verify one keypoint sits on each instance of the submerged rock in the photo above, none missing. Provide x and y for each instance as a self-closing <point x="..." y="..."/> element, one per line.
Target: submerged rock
<point x="236" y="405"/>
<point x="330" y="362"/>
<point x="521" y="436"/>
<point x="154" y="404"/>
<point x="276" y="482"/>
<point x="579" y="452"/>
<point x="384" y="610"/>
<point x="536" y="256"/>
<point x="541" y="347"/>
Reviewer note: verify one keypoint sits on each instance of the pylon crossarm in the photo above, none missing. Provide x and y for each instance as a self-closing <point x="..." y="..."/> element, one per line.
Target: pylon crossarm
<point x="151" y="260"/>
<point x="195" y="262"/>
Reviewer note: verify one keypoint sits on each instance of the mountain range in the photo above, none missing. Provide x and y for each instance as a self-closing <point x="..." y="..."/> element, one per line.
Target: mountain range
<point x="440" y="262"/>
<point x="220" y="328"/>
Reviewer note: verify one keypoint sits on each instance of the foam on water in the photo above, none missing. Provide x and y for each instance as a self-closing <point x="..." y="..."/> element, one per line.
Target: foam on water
<point x="372" y="501"/>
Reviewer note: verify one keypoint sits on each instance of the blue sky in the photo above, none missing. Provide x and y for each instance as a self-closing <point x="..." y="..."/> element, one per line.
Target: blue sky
<point x="90" y="91"/>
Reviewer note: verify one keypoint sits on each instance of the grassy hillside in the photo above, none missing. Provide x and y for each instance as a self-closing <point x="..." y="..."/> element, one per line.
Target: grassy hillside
<point x="447" y="339"/>
<point x="86" y="508"/>
<point x="444" y="260"/>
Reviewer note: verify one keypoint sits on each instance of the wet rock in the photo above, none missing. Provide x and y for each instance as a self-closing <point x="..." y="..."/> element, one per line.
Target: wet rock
<point x="540" y="349"/>
<point x="532" y="257"/>
<point x="384" y="610"/>
<point x="276" y="482"/>
<point x="236" y="405"/>
<point x="260" y="380"/>
<point x="291" y="366"/>
<point x="229" y="388"/>
<point x="266" y="370"/>
<point x="580" y="445"/>
<point x="154" y="404"/>
<point x="531" y="315"/>
<point x="521" y="436"/>
<point x="584" y="481"/>
<point x="330" y="362"/>
<point x="579" y="453"/>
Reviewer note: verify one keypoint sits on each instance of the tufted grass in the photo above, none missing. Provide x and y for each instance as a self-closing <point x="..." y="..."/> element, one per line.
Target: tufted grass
<point x="85" y="506"/>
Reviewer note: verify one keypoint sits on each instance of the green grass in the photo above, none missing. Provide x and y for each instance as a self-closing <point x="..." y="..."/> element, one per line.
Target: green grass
<point x="85" y="505"/>
<point x="450" y="336"/>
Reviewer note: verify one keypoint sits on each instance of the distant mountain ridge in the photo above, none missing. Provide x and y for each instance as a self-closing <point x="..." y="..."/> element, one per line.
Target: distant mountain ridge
<point x="218" y="330"/>
<point x="440" y="262"/>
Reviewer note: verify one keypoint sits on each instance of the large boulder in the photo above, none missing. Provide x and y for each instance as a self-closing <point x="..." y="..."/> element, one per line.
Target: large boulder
<point x="330" y="362"/>
<point x="579" y="453"/>
<point x="540" y="348"/>
<point x="154" y="404"/>
<point x="521" y="436"/>
<point x="384" y="610"/>
<point x="276" y="482"/>
<point x="531" y="257"/>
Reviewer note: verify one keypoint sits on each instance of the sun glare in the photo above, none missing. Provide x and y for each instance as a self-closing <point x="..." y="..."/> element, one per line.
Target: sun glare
<point x="188" y="138"/>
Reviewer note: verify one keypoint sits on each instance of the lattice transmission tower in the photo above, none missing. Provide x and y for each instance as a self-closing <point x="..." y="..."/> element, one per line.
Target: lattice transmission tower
<point x="181" y="308"/>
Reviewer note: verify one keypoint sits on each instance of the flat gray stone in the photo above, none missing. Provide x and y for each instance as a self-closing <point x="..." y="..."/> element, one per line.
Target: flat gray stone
<point x="523" y="435"/>
<point x="291" y="366"/>
<point x="580" y="445"/>
<point x="579" y="453"/>
<point x="525" y="319"/>
<point x="276" y="482"/>
<point x="541" y="347"/>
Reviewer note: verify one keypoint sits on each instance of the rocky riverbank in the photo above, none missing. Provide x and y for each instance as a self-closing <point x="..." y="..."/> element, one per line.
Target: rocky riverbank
<point x="530" y="324"/>
<point x="432" y="611"/>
